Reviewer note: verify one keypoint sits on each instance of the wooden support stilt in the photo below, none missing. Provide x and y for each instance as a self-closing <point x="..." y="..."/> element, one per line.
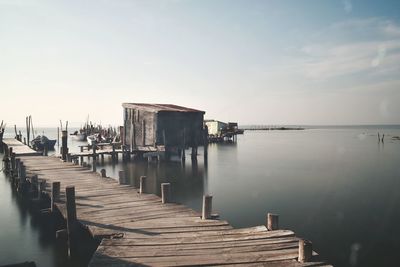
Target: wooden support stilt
<point x="71" y="217"/>
<point x="272" y="222"/>
<point x="207" y="207"/>
<point x="142" y="187"/>
<point x="165" y="193"/>
<point x="34" y="184"/>
<point x="17" y="164"/>
<point x="94" y="156"/>
<point x="12" y="158"/>
<point x="194" y="152"/>
<point x="41" y="187"/>
<point x="22" y="173"/>
<point x="305" y="251"/>
<point x="55" y="194"/>
<point x="113" y="158"/>
<point x="58" y="137"/>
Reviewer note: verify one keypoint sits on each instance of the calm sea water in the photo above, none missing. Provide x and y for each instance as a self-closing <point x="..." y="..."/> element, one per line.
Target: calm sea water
<point x="336" y="186"/>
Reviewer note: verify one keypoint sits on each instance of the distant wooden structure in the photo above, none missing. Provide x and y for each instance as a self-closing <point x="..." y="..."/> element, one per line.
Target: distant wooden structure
<point x="172" y="127"/>
<point x="215" y="127"/>
<point x="219" y="131"/>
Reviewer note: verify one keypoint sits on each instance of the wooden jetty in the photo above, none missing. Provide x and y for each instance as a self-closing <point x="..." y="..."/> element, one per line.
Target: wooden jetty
<point x="139" y="229"/>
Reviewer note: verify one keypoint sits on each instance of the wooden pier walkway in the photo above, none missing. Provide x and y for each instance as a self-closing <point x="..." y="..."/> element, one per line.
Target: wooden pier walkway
<point x="137" y="229"/>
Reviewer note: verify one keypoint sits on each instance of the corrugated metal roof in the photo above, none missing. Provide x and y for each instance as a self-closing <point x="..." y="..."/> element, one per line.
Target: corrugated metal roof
<point x="160" y="107"/>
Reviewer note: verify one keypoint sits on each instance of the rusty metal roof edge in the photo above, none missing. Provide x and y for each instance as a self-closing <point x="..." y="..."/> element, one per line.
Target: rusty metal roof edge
<point x="161" y="107"/>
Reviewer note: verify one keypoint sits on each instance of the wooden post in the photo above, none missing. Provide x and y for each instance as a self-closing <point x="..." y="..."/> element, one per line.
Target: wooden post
<point x="143" y="132"/>
<point x="71" y="216"/>
<point x="184" y="146"/>
<point x="103" y="173"/>
<point x="12" y="164"/>
<point x="205" y="142"/>
<point x="9" y="166"/>
<point x="24" y="140"/>
<point x="64" y="145"/>
<point x="305" y="250"/>
<point x="194" y="152"/>
<point x="183" y="155"/>
<point x="142" y="188"/>
<point x="272" y="222"/>
<point x="113" y="153"/>
<point x="34" y="183"/>
<point x="17" y="164"/>
<point x="165" y="193"/>
<point x="122" y="134"/>
<point x="121" y="177"/>
<point x="55" y="194"/>
<point x="58" y="137"/>
<point x="22" y="173"/>
<point x="41" y="187"/>
<point x="207" y="207"/>
<point x="94" y="157"/>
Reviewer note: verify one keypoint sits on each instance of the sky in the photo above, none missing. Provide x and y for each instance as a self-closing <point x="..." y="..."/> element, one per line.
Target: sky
<point x="297" y="62"/>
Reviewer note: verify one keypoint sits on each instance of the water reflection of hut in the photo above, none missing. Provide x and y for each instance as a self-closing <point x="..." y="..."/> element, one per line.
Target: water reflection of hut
<point x="153" y="125"/>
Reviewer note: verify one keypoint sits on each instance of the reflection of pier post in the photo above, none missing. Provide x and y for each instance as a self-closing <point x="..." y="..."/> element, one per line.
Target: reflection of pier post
<point x="195" y="166"/>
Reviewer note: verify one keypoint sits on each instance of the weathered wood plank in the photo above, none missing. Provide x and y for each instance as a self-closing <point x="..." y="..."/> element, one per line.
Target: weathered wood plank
<point x="144" y="231"/>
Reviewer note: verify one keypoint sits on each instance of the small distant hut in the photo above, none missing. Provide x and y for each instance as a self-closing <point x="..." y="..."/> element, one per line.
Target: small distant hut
<point x="153" y="125"/>
<point x="215" y="127"/>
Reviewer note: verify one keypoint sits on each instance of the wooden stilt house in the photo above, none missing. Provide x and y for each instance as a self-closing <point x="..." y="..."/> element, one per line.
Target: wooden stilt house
<point x="154" y="125"/>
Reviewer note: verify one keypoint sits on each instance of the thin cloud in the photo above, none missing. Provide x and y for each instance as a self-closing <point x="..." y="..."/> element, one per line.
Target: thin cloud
<point x="378" y="52"/>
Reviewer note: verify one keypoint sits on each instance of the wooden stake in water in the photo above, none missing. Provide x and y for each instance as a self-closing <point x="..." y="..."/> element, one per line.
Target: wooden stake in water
<point x="272" y="221"/>
<point x="207" y="207"/>
<point x="165" y="193"/>
<point x="142" y="188"/>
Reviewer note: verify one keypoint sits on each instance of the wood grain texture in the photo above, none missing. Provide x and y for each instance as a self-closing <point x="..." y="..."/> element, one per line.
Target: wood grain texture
<point x="138" y="230"/>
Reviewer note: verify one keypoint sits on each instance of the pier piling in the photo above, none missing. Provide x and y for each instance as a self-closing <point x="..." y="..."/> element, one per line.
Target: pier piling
<point x="207" y="207"/>
<point x="305" y="250"/>
<point x="165" y="193"/>
<point x="64" y="145"/>
<point x="55" y="194"/>
<point x="71" y="217"/>
<point x="272" y="222"/>
<point x="142" y="188"/>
